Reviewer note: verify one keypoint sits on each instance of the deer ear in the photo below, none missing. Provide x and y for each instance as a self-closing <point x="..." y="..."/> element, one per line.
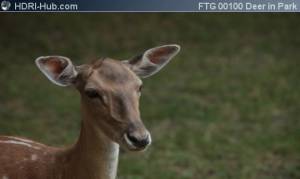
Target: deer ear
<point x="152" y="60"/>
<point x="57" y="69"/>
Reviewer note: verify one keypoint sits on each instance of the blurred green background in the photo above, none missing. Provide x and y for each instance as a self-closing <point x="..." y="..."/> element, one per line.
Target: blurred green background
<point x="227" y="106"/>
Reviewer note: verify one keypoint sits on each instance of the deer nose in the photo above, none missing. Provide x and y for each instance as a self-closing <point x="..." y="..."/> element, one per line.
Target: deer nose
<point x="139" y="141"/>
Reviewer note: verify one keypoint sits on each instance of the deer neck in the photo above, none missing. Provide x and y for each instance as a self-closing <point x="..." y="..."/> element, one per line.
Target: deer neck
<point x="94" y="156"/>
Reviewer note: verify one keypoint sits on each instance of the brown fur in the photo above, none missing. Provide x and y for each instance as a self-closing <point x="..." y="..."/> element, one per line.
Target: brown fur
<point x="110" y="92"/>
<point x="94" y="156"/>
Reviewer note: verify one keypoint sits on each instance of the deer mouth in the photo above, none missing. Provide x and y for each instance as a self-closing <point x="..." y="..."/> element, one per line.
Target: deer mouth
<point x="134" y="144"/>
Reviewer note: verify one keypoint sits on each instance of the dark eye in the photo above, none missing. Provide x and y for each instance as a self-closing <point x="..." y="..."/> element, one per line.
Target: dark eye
<point x="92" y="93"/>
<point x="140" y="88"/>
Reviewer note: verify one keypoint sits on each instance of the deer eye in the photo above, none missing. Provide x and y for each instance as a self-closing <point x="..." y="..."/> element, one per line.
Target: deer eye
<point x="140" y="88"/>
<point x="91" y="93"/>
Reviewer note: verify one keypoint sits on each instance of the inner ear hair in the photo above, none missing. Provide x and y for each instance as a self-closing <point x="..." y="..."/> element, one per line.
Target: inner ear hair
<point x="162" y="54"/>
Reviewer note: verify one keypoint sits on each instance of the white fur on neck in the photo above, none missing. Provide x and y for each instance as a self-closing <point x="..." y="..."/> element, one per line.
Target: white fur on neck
<point x="112" y="166"/>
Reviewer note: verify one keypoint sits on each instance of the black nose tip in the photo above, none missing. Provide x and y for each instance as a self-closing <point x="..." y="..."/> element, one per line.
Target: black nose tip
<point x="138" y="141"/>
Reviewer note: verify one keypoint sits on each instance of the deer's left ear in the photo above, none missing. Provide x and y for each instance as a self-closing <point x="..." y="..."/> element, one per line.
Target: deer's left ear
<point x="152" y="60"/>
<point x="58" y="69"/>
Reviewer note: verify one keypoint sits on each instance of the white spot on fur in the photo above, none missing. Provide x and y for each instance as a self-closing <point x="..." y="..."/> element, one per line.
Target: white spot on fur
<point x="20" y="143"/>
<point x="5" y="177"/>
<point x="34" y="157"/>
<point x="20" y="139"/>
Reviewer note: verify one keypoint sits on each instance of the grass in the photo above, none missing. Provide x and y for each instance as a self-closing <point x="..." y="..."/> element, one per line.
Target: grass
<point x="228" y="106"/>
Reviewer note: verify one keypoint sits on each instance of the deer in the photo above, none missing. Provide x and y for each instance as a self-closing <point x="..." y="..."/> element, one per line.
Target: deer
<point x="109" y="91"/>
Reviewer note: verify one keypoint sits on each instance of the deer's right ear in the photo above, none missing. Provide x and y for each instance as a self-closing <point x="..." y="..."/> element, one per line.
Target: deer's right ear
<point x="58" y="69"/>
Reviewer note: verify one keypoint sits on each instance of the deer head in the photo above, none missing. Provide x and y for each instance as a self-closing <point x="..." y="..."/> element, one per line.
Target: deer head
<point x="110" y="91"/>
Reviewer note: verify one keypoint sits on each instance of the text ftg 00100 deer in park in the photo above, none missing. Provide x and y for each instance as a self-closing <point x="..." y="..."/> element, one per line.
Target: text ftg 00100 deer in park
<point x="110" y="91"/>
